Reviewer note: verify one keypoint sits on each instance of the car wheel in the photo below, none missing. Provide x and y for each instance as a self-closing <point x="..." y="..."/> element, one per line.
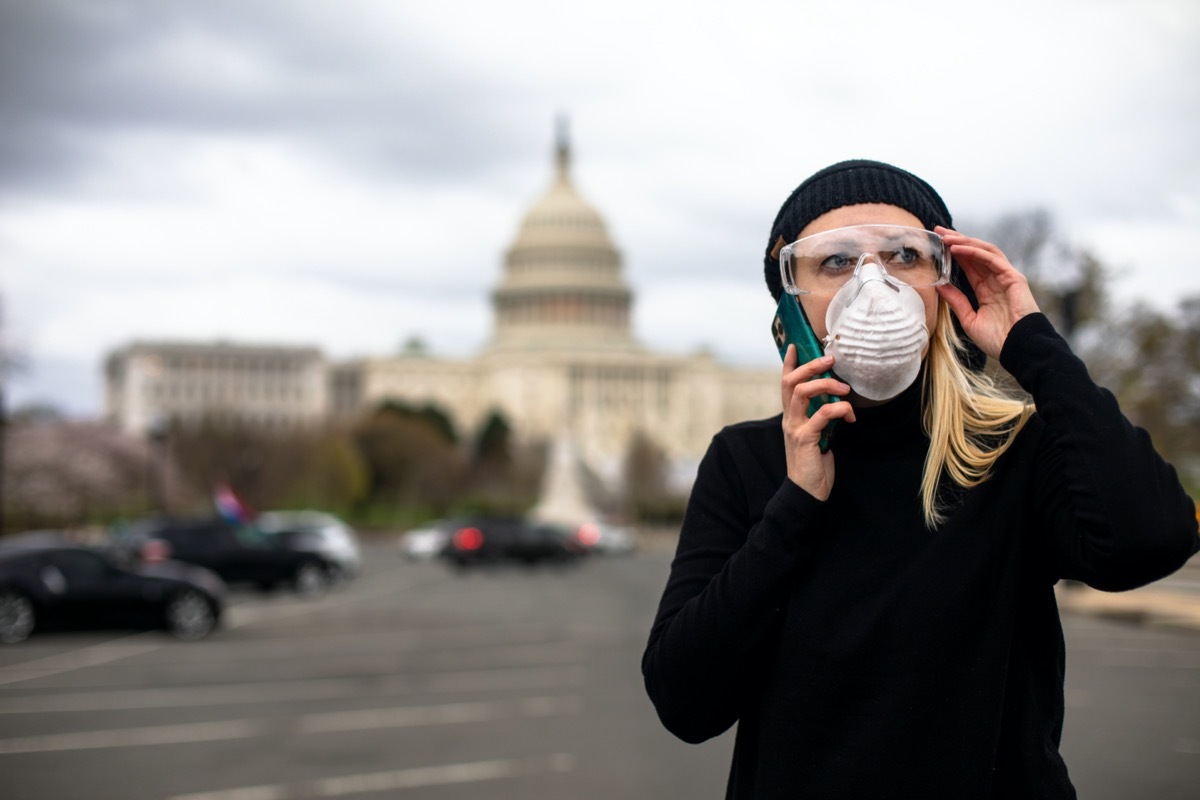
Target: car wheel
<point x="17" y="617"/>
<point x="335" y="576"/>
<point x="190" y="616"/>
<point x="310" y="579"/>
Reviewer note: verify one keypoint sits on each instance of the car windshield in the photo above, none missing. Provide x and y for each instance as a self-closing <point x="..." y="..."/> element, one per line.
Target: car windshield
<point x="250" y="536"/>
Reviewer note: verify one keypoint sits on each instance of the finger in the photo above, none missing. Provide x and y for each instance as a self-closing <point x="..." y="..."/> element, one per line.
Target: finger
<point x="831" y="411"/>
<point x="994" y="261"/>
<point x="790" y="359"/>
<point x="797" y="402"/>
<point x="976" y="276"/>
<point x="805" y="392"/>
<point x="806" y="372"/>
<point x="960" y="238"/>
<point x="958" y="302"/>
<point x="809" y="432"/>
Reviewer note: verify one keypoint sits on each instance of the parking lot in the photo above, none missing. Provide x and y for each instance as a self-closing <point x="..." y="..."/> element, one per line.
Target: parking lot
<point x="417" y="681"/>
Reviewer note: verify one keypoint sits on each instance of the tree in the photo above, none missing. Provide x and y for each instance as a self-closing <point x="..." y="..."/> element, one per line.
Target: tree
<point x="10" y="362"/>
<point x="647" y="489"/>
<point x="494" y="442"/>
<point x="431" y="414"/>
<point x="1067" y="281"/>
<point x="492" y="455"/>
<point x="334" y="476"/>
<point x="1151" y="362"/>
<point x="411" y="458"/>
<point x="220" y="452"/>
<point x="73" y="473"/>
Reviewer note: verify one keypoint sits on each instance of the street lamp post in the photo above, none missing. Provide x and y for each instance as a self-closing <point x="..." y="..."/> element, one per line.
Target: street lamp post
<point x="156" y="463"/>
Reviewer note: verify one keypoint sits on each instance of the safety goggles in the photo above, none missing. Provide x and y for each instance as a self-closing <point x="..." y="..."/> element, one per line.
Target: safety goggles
<point x="824" y="262"/>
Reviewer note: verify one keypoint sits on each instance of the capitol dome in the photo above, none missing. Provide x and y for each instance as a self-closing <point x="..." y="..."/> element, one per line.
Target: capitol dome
<point x="562" y="285"/>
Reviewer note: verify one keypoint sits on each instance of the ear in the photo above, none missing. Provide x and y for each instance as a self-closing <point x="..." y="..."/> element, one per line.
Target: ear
<point x="779" y="245"/>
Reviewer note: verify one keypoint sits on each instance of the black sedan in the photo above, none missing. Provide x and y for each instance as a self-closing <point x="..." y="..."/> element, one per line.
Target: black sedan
<point x="239" y="553"/>
<point x="491" y="540"/>
<point x="61" y="586"/>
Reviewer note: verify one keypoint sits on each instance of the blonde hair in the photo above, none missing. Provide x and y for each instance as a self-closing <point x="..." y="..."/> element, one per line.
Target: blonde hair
<point x="969" y="419"/>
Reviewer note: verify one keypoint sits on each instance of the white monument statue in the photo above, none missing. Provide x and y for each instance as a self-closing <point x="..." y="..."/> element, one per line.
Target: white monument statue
<point x="563" y="499"/>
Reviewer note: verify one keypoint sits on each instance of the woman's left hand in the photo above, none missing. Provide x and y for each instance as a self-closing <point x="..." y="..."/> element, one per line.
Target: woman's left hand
<point x="1003" y="292"/>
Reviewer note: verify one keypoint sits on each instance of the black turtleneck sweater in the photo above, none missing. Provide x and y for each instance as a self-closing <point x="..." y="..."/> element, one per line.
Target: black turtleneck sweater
<point x="862" y="654"/>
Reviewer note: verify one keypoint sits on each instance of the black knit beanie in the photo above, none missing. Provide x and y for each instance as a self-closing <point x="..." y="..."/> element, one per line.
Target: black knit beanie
<point x="850" y="183"/>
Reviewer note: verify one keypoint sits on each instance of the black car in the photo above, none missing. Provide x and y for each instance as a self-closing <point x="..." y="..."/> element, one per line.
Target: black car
<point x="491" y="540"/>
<point x="48" y="585"/>
<point x="239" y="553"/>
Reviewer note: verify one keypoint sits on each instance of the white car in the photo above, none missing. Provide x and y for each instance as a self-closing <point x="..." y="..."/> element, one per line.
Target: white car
<point x="607" y="538"/>
<point x="427" y="542"/>
<point x="321" y="533"/>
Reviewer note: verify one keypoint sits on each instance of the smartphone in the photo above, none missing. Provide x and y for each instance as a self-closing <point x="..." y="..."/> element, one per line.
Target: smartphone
<point x="791" y="326"/>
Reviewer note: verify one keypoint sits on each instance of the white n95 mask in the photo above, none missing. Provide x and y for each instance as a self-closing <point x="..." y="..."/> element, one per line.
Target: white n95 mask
<point x="877" y="332"/>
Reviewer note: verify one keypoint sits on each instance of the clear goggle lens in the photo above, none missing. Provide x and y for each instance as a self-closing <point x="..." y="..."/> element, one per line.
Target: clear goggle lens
<point x="824" y="262"/>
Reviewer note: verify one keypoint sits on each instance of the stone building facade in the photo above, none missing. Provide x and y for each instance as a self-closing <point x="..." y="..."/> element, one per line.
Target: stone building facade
<point x="149" y="384"/>
<point x="563" y="359"/>
<point x="562" y="362"/>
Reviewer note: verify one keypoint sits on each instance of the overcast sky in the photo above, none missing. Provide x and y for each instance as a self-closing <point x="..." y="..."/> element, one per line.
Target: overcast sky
<point x="349" y="174"/>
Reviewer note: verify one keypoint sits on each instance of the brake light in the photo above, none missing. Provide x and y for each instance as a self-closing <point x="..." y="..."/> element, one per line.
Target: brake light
<point x="589" y="534"/>
<point x="155" y="550"/>
<point x="468" y="539"/>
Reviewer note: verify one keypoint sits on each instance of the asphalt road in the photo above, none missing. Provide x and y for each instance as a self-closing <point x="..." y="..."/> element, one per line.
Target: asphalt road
<point x="417" y="682"/>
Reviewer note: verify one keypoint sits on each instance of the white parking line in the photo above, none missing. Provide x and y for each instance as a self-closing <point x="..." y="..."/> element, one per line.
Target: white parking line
<point x="501" y="679"/>
<point x="329" y="722"/>
<point x="235" y="694"/>
<point x="453" y="713"/>
<point x="263" y="692"/>
<point x="395" y="641"/>
<point x="92" y="656"/>
<point x="397" y="780"/>
<point x="377" y="718"/>
<point x="108" y="652"/>
<point x="1187" y="746"/>
<point x="136" y="737"/>
<point x="366" y="589"/>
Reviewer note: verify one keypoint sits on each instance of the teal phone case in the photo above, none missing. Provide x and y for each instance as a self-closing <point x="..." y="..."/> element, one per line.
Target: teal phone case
<point x="791" y="326"/>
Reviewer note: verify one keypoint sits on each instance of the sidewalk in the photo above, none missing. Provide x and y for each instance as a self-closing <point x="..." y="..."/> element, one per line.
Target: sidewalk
<point x="1163" y="603"/>
<point x="1159" y="604"/>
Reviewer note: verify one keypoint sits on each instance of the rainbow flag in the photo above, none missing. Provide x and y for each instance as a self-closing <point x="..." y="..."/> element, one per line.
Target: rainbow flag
<point x="231" y="507"/>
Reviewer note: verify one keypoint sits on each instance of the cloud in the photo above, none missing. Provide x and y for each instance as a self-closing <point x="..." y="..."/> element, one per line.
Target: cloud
<point x="79" y="76"/>
<point x="380" y="155"/>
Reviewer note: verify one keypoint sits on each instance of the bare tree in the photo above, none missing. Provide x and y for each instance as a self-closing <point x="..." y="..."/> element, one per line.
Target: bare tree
<point x="10" y="362"/>
<point x="1151" y="361"/>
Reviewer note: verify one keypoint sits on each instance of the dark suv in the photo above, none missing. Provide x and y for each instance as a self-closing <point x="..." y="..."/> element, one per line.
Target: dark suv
<point x="239" y="553"/>
<point x="491" y="540"/>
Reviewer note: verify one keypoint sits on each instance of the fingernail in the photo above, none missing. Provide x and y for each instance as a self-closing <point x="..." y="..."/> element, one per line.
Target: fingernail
<point x="826" y="360"/>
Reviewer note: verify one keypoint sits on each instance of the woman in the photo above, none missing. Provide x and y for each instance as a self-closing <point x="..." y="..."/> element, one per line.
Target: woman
<point x="879" y="619"/>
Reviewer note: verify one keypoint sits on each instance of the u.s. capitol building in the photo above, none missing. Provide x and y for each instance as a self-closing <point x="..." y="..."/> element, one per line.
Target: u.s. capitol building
<point x="562" y="361"/>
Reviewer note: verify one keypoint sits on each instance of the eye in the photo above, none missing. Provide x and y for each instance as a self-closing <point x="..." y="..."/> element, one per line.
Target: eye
<point x="837" y="263"/>
<point x="904" y="257"/>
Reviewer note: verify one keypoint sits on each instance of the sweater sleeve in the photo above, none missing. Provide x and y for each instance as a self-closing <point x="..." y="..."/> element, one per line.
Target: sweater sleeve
<point x="721" y="605"/>
<point x="1112" y="512"/>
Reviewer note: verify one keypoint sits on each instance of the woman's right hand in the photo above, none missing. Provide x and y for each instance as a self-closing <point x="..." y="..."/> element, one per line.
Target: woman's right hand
<point x="807" y="466"/>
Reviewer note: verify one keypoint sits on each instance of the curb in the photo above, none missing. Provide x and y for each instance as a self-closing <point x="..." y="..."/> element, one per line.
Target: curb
<point x="1150" y="606"/>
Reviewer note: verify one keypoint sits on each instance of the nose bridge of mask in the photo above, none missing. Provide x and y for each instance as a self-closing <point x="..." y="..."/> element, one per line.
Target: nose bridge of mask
<point x="876" y="331"/>
<point x="869" y="268"/>
<point x="869" y="271"/>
